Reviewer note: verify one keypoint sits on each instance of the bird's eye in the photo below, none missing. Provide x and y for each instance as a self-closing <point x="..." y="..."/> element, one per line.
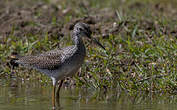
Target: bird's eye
<point x="80" y="29"/>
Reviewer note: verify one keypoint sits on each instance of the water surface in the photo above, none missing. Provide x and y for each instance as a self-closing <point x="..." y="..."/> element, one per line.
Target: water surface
<point x="33" y="95"/>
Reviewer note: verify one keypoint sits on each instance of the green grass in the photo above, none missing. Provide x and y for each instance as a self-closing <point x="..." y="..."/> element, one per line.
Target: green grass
<point x="142" y="56"/>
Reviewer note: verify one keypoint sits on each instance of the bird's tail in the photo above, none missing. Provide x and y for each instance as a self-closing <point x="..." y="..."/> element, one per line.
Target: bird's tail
<point x="13" y="59"/>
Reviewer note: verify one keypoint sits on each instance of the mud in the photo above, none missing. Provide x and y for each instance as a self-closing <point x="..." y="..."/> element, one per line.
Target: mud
<point x="25" y="18"/>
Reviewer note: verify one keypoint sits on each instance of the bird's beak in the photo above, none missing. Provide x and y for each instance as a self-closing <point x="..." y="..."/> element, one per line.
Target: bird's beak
<point x="98" y="43"/>
<point x="94" y="40"/>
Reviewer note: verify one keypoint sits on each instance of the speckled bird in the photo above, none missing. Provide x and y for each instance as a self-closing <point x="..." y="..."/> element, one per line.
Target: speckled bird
<point x="61" y="63"/>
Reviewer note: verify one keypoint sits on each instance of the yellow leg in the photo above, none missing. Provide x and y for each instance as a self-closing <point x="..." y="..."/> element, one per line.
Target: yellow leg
<point x="58" y="91"/>
<point x="53" y="98"/>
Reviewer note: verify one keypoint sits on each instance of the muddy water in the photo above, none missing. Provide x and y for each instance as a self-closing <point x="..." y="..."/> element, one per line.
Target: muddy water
<point x="33" y="95"/>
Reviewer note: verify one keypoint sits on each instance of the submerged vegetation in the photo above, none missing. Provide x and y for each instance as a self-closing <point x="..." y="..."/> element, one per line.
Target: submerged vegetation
<point x="140" y="39"/>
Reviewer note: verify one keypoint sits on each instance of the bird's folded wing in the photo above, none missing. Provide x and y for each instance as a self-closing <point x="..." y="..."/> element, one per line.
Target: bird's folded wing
<point x="49" y="60"/>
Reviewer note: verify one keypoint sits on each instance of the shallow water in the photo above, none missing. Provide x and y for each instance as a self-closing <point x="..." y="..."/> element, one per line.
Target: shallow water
<point x="33" y="95"/>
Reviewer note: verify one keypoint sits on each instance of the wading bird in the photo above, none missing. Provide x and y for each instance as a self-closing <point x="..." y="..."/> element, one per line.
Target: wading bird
<point x="61" y="63"/>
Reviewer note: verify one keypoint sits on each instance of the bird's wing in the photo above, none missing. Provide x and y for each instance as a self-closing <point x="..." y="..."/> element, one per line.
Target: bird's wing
<point x="50" y="60"/>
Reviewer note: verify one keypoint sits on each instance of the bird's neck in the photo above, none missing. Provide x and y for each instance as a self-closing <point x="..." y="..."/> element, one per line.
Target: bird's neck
<point x="77" y="39"/>
<point x="78" y="42"/>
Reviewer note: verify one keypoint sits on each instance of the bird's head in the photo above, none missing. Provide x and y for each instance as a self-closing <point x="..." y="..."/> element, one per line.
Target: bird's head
<point x="83" y="30"/>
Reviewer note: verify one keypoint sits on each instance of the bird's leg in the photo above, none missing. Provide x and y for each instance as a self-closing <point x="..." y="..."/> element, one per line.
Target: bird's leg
<point x="53" y="93"/>
<point x="58" y="91"/>
<point x="53" y="97"/>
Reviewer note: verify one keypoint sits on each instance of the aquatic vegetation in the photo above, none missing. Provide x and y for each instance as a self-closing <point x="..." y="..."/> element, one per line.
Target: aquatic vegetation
<point x="140" y="39"/>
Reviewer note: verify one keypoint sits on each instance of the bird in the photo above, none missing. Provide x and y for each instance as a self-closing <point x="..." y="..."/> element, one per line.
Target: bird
<point x="60" y="63"/>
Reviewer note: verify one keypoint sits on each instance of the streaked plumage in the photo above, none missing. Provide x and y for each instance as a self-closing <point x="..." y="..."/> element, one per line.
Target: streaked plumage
<point x="60" y="63"/>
